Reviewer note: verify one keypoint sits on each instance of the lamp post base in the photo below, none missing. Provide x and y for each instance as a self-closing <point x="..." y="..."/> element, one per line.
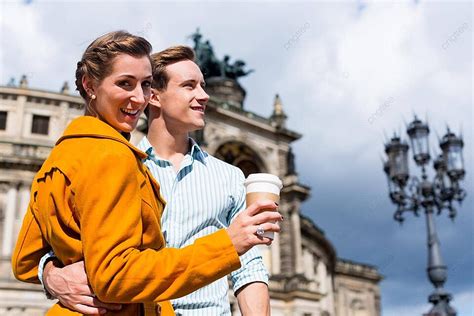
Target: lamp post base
<point x="441" y="305"/>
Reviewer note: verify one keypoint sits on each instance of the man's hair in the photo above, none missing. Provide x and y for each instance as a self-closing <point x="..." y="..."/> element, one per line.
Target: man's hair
<point x="167" y="57"/>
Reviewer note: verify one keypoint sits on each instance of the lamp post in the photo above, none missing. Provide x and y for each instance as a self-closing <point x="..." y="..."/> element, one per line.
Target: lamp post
<point x="411" y="194"/>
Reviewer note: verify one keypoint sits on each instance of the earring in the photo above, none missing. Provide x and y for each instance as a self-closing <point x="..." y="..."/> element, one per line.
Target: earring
<point x="91" y="95"/>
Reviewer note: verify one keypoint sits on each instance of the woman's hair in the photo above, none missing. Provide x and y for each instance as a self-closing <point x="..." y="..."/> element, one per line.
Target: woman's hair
<point x="167" y="57"/>
<point x="97" y="60"/>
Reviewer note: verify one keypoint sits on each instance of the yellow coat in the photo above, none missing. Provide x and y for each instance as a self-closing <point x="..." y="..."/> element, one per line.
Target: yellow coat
<point x="94" y="200"/>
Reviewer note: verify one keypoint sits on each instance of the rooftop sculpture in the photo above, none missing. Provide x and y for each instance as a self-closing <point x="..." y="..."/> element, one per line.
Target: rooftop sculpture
<point x="211" y="65"/>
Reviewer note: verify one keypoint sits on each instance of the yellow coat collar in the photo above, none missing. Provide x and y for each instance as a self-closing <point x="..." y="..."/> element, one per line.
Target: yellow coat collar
<point x="88" y="126"/>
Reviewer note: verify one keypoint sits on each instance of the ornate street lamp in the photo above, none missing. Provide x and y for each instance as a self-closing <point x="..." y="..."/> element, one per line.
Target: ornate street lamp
<point x="452" y="155"/>
<point x="410" y="194"/>
<point x="418" y="133"/>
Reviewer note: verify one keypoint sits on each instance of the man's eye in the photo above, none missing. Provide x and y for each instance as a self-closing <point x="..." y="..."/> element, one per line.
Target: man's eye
<point x="146" y="84"/>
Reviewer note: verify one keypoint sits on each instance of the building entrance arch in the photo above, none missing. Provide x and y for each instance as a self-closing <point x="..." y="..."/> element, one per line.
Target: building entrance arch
<point x="242" y="156"/>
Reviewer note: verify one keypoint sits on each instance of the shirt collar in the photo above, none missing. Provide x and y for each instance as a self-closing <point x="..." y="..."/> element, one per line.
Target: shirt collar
<point x="195" y="152"/>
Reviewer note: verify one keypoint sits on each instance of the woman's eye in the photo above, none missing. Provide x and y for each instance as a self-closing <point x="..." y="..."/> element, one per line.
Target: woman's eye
<point x="124" y="83"/>
<point x="147" y="84"/>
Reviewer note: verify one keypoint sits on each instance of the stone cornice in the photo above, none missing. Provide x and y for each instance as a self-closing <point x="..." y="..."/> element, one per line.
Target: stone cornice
<point x="291" y="295"/>
<point x="74" y="101"/>
<point x="22" y="155"/>
<point x="288" y="288"/>
<point x="291" y="186"/>
<point x="16" y="285"/>
<point x="357" y="270"/>
<point x="252" y="119"/>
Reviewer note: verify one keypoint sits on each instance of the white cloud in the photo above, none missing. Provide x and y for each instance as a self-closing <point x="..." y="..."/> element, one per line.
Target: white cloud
<point x="366" y="72"/>
<point x="46" y="39"/>
<point x="419" y="309"/>
<point x="26" y="49"/>
<point x="464" y="303"/>
<point x="344" y="67"/>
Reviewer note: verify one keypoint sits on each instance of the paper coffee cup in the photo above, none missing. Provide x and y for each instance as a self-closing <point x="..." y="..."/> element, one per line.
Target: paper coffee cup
<point x="261" y="186"/>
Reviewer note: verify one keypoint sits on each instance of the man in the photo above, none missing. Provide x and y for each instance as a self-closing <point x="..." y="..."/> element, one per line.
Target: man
<point x="203" y="194"/>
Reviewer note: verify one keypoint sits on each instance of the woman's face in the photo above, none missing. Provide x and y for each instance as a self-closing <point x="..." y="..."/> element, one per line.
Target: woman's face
<point x="122" y="96"/>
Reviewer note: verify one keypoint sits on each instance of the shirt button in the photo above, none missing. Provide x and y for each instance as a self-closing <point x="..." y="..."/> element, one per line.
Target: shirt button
<point x="158" y="309"/>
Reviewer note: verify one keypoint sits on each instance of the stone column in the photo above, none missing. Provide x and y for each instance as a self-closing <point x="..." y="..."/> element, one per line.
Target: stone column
<point x="322" y="276"/>
<point x="292" y="195"/>
<point x="330" y="290"/>
<point x="20" y="117"/>
<point x="266" y="256"/>
<point x="308" y="264"/>
<point x="275" y="255"/>
<point x="9" y="220"/>
<point x="286" y="239"/>
<point x="24" y="200"/>
<point x="297" y="248"/>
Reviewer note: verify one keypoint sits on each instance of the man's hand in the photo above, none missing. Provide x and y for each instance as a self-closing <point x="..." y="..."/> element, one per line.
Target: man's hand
<point x="254" y="299"/>
<point x="71" y="287"/>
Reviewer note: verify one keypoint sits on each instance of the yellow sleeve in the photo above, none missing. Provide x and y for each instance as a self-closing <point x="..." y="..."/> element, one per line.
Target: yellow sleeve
<point x="29" y="249"/>
<point x="109" y="206"/>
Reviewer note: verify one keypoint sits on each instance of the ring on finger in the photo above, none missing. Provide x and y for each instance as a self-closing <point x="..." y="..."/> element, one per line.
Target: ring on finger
<point x="260" y="231"/>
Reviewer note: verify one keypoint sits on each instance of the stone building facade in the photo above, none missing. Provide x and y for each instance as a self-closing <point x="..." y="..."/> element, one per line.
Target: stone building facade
<point x="307" y="277"/>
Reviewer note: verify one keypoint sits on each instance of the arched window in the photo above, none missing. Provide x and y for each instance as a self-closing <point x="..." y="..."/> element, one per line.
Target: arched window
<point x="241" y="156"/>
<point x="357" y="308"/>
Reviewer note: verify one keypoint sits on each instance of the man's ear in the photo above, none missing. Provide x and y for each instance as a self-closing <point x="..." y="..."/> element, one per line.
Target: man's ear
<point x="155" y="98"/>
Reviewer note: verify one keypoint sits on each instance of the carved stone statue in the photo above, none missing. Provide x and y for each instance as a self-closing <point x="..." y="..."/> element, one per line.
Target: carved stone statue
<point x="211" y="66"/>
<point x="11" y="83"/>
<point x="235" y="70"/>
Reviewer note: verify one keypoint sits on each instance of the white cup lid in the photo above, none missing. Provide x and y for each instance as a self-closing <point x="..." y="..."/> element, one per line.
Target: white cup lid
<point x="263" y="177"/>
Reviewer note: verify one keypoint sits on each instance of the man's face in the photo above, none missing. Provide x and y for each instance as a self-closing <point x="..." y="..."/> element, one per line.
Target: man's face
<point x="184" y="100"/>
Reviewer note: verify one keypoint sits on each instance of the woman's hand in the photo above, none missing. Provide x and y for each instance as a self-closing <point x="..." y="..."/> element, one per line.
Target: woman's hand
<point x="243" y="229"/>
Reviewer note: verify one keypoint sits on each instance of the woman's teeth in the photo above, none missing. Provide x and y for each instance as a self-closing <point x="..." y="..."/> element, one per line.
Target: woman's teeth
<point x="129" y="112"/>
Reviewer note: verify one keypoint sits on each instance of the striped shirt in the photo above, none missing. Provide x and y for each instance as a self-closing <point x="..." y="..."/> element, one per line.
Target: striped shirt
<point x="201" y="198"/>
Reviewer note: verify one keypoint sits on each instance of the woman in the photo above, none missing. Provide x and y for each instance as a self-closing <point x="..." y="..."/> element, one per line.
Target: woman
<point x="93" y="199"/>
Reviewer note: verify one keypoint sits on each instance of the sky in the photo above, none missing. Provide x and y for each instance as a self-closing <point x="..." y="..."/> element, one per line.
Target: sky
<point x="349" y="74"/>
